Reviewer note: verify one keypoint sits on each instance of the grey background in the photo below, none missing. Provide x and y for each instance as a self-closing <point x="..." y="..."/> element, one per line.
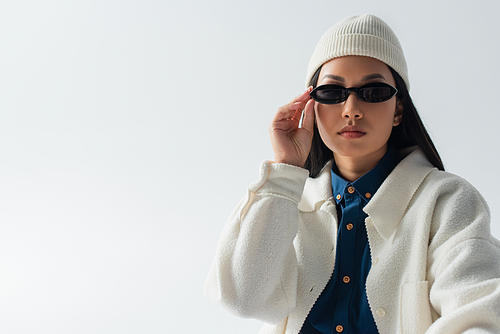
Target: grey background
<point x="130" y="129"/>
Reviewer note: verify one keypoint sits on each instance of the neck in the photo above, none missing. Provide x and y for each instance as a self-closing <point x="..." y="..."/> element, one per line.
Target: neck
<point x="352" y="168"/>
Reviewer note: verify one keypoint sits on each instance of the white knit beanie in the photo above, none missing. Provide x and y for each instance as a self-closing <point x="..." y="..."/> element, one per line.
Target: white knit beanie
<point x="360" y="35"/>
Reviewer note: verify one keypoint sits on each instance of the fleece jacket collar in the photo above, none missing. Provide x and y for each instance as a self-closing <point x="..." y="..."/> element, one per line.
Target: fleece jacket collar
<point x="317" y="190"/>
<point x="397" y="188"/>
<point x="387" y="207"/>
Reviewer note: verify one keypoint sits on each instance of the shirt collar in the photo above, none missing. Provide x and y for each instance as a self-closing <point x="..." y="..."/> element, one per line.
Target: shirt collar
<point x="368" y="184"/>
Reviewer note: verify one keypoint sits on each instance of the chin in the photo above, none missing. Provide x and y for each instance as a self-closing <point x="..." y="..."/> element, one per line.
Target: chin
<point x="356" y="150"/>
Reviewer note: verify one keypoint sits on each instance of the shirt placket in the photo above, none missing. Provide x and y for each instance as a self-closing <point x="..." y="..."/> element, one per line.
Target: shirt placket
<point x="346" y="253"/>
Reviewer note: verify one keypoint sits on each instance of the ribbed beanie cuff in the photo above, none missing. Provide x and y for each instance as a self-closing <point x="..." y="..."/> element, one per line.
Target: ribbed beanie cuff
<point x="363" y="35"/>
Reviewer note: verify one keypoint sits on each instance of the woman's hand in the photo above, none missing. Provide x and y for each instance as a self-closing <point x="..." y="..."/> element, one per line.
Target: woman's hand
<point x="291" y="144"/>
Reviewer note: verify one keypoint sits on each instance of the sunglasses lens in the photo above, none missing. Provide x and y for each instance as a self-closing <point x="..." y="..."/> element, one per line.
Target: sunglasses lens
<point x="371" y="93"/>
<point x="376" y="94"/>
<point x="329" y="94"/>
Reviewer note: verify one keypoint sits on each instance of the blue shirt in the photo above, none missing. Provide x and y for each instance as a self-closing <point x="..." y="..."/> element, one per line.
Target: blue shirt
<point x="343" y="306"/>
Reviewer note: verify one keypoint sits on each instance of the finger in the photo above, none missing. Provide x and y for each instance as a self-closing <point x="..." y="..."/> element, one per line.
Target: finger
<point x="308" y="121"/>
<point x="285" y="112"/>
<point x="297" y="115"/>
<point x="300" y="100"/>
<point x="289" y="110"/>
<point x="304" y="96"/>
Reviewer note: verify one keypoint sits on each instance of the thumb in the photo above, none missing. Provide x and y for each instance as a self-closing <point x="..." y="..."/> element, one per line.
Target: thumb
<point x="308" y="120"/>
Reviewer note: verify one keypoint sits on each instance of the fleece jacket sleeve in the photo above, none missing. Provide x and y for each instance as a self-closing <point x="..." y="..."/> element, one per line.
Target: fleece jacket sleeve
<point x="464" y="262"/>
<point x="254" y="273"/>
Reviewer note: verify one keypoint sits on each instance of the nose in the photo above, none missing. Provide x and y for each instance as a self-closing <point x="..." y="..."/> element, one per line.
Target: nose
<point x="352" y="107"/>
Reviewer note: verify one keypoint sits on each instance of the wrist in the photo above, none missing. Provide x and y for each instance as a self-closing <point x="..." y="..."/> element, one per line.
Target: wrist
<point x="290" y="162"/>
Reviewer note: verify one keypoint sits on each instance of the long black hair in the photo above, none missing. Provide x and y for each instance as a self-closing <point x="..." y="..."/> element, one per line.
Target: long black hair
<point x="410" y="132"/>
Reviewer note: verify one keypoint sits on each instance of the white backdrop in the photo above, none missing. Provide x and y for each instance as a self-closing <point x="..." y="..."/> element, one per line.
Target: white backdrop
<point x="130" y="129"/>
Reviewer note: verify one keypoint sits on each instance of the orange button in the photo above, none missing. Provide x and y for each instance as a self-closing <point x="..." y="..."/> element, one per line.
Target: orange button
<point x="339" y="197"/>
<point x="339" y="329"/>
<point x="368" y="195"/>
<point x="349" y="226"/>
<point x="351" y="190"/>
<point x="346" y="279"/>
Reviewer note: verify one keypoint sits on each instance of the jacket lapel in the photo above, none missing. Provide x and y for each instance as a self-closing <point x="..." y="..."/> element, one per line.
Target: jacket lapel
<point x="387" y="207"/>
<point x="317" y="190"/>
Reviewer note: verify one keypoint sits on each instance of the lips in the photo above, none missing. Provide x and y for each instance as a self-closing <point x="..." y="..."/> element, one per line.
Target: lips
<point x="352" y="132"/>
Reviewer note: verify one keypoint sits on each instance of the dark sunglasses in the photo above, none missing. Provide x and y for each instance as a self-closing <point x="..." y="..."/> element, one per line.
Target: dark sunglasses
<point x="372" y="93"/>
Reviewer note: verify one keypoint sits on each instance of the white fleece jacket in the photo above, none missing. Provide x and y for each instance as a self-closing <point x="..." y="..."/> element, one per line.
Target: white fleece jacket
<point x="435" y="265"/>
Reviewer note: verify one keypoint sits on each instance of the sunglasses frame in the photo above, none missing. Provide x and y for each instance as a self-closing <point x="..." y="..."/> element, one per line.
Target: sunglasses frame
<point x="348" y="91"/>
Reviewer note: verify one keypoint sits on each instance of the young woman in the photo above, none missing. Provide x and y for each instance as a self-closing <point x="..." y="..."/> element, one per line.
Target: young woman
<point x="355" y="227"/>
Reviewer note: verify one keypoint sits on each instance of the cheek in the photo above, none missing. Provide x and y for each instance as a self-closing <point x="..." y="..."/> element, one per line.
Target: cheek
<point x="385" y="117"/>
<point x="382" y="122"/>
<point x="325" y="114"/>
<point x="326" y="120"/>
